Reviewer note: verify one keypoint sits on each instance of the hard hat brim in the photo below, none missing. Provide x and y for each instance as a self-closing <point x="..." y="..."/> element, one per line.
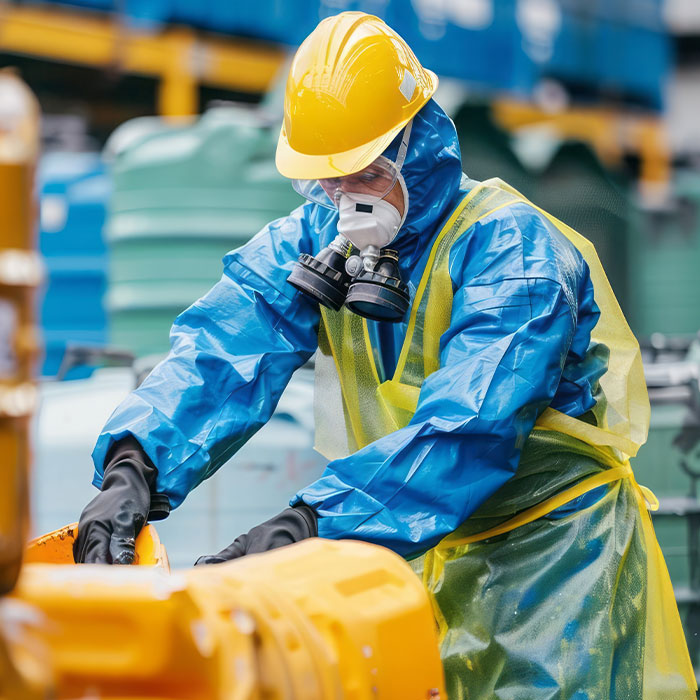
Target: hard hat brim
<point x="304" y="166"/>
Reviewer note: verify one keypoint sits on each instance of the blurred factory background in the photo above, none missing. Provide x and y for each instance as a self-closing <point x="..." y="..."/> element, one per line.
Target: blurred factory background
<point x="160" y="119"/>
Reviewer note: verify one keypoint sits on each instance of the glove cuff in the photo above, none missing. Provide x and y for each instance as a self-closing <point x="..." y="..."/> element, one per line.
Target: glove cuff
<point x="128" y="452"/>
<point x="160" y="507"/>
<point x="309" y="516"/>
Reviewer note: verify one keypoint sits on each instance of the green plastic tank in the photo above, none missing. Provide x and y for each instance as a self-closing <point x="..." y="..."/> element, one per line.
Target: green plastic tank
<point x="577" y="189"/>
<point x="664" y="262"/>
<point x="184" y="195"/>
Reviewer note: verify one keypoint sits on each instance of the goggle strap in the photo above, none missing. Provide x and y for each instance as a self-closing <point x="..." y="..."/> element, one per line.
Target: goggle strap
<point x="403" y="148"/>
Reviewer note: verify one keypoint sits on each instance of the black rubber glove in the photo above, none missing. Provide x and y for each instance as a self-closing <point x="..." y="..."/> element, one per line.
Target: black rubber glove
<point x="110" y="523"/>
<point x="291" y="525"/>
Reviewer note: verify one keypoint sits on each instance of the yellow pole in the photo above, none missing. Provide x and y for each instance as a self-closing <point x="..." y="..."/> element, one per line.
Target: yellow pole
<point x="178" y="91"/>
<point x="655" y="158"/>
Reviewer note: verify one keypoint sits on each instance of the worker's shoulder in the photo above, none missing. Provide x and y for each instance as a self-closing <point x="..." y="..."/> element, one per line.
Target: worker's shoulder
<point x="519" y="240"/>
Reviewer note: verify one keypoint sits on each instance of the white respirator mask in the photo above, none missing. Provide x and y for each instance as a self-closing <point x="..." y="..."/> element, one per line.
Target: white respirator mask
<point x="366" y="223"/>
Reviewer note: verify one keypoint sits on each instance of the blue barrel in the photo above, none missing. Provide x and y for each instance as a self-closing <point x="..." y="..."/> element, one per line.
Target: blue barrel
<point x="74" y="191"/>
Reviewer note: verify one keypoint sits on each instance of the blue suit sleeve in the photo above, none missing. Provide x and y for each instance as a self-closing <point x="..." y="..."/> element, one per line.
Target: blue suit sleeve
<point x="232" y="354"/>
<point x="513" y="320"/>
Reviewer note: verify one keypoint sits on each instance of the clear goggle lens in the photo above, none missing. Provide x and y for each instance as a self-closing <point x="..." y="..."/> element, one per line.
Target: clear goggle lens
<point x="373" y="182"/>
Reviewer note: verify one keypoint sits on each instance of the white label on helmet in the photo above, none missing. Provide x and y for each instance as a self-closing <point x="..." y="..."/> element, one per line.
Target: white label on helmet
<point x="408" y="85"/>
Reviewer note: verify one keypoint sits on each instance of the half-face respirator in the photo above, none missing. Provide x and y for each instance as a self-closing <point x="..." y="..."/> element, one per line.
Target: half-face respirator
<point x="358" y="268"/>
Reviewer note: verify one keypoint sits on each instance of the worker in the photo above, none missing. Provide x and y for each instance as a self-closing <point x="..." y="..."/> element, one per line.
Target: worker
<point x="480" y="393"/>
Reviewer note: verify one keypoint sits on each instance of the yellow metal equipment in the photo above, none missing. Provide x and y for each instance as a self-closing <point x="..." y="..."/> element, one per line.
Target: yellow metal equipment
<point x="20" y="273"/>
<point x="316" y="620"/>
<point x="611" y="132"/>
<point x="22" y="673"/>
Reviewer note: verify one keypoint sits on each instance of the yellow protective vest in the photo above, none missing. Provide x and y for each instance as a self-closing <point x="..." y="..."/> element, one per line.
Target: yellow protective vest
<point x="354" y="408"/>
<point x="372" y="409"/>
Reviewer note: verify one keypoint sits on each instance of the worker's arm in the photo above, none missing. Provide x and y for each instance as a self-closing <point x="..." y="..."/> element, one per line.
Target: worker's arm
<point x="232" y="354"/>
<point x="514" y="317"/>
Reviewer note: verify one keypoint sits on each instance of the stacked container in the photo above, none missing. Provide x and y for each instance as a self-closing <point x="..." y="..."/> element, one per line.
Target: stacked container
<point x="617" y="48"/>
<point x="664" y="262"/>
<point x="74" y="193"/>
<point x="183" y="197"/>
<point x="20" y="273"/>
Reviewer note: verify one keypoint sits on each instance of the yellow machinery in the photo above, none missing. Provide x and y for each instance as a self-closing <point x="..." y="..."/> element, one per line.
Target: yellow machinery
<point x="611" y="133"/>
<point x="319" y="620"/>
<point x="20" y="273"/>
<point x="316" y="620"/>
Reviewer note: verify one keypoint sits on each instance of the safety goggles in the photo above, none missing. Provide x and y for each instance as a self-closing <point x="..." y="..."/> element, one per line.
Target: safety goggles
<point x="373" y="182"/>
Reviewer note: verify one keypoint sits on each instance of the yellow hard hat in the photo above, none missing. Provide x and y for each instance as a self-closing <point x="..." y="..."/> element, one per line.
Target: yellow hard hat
<point x="353" y="85"/>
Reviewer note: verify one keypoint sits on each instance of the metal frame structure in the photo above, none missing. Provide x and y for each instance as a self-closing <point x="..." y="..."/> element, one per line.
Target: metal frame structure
<point x="611" y="132"/>
<point x="177" y="56"/>
<point x="182" y="60"/>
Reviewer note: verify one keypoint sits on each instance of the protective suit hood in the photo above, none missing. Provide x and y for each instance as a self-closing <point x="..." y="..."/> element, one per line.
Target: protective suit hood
<point x="432" y="172"/>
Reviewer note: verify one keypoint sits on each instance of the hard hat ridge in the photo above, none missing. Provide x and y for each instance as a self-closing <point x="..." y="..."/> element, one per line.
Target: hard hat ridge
<point x="353" y="85"/>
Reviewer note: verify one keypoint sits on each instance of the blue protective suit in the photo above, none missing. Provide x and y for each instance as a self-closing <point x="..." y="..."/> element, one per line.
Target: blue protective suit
<point x="519" y="338"/>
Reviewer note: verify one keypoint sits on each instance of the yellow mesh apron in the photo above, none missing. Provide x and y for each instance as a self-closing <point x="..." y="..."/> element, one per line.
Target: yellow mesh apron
<point x="613" y="631"/>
